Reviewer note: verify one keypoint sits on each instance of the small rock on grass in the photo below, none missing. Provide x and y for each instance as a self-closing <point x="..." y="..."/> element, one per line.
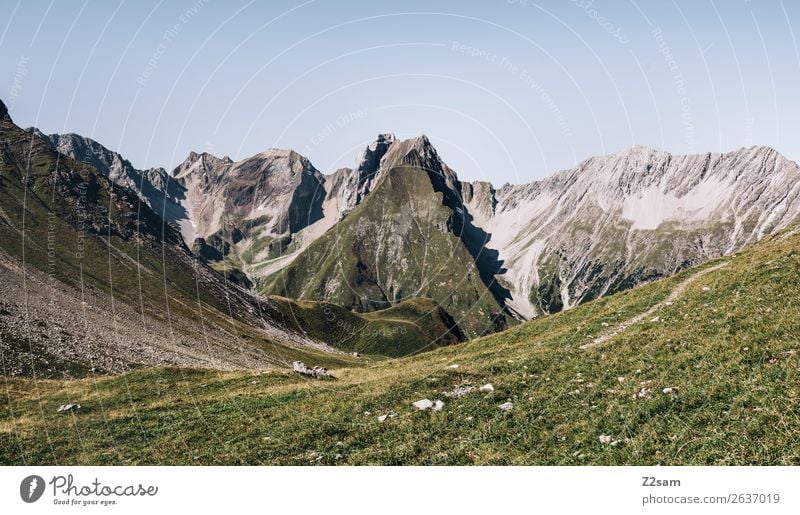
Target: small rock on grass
<point x="606" y="439"/>
<point x="506" y="406"/>
<point x="458" y="391"/>
<point x="423" y="404"/>
<point x="70" y="408"/>
<point x="487" y="388"/>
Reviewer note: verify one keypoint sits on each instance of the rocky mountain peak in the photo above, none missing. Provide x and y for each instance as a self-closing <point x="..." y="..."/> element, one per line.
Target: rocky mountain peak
<point x="417" y="152"/>
<point x="278" y="160"/>
<point x="36" y="132"/>
<point x="278" y="153"/>
<point x="368" y="166"/>
<point x="204" y="164"/>
<point x="637" y="150"/>
<point x="107" y="162"/>
<point x="369" y="160"/>
<point x="385" y="139"/>
<point x="761" y="151"/>
<point x="632" y="160"/>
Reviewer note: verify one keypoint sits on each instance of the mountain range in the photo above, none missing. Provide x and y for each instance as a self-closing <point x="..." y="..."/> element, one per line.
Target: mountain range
<point x="400" y="229"/>
<point x="180" y="305"/>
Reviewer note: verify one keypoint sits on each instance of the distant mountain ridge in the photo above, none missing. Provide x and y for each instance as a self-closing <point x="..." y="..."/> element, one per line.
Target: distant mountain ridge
<point x="608" y="224"/>
<point x="615" y="221"/>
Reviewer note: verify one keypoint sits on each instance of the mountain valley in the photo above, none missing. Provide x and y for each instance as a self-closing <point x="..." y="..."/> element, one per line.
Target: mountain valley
<point x="637" y="308"/>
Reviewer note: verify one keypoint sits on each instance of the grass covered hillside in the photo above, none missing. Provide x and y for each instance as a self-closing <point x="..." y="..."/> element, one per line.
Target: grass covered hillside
<point x="91" y="280"/>
<point x="709" y="375"/>
<point x="412" y="326"/>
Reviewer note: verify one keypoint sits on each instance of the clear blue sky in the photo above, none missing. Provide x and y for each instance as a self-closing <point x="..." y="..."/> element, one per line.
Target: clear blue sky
<point x="507" y="90"/>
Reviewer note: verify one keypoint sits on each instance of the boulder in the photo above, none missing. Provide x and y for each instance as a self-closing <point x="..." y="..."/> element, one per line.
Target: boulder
<point x="316" y="372"/>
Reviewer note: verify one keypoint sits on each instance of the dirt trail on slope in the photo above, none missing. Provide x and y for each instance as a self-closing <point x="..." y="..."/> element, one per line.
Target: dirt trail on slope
<point x="672" y="297"/>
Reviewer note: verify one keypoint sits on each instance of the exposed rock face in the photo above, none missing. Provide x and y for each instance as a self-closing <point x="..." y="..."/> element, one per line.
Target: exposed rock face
<point x="269" y="195"/>
<point x="154" y="186"/>
<point x="386" y="152"/>
<point x="369" y="165"/>
<point x="88" y="151"/>
<point x="615" y="221"/>
<point x="250" y="212"/>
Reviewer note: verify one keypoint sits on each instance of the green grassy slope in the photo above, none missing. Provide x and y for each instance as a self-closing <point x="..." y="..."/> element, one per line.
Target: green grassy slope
<point x="412" y="326"/>
<point x="394" y="246"/>
<point x="728" y="346"/>
<point x="63" y="218"/>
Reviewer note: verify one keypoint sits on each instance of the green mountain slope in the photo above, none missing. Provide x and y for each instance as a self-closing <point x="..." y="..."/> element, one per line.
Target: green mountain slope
<point x="407" y="328"/>
<point x="398" y="244"/>
<point x="92" y="280"/>
<point x="711" y="375"/>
